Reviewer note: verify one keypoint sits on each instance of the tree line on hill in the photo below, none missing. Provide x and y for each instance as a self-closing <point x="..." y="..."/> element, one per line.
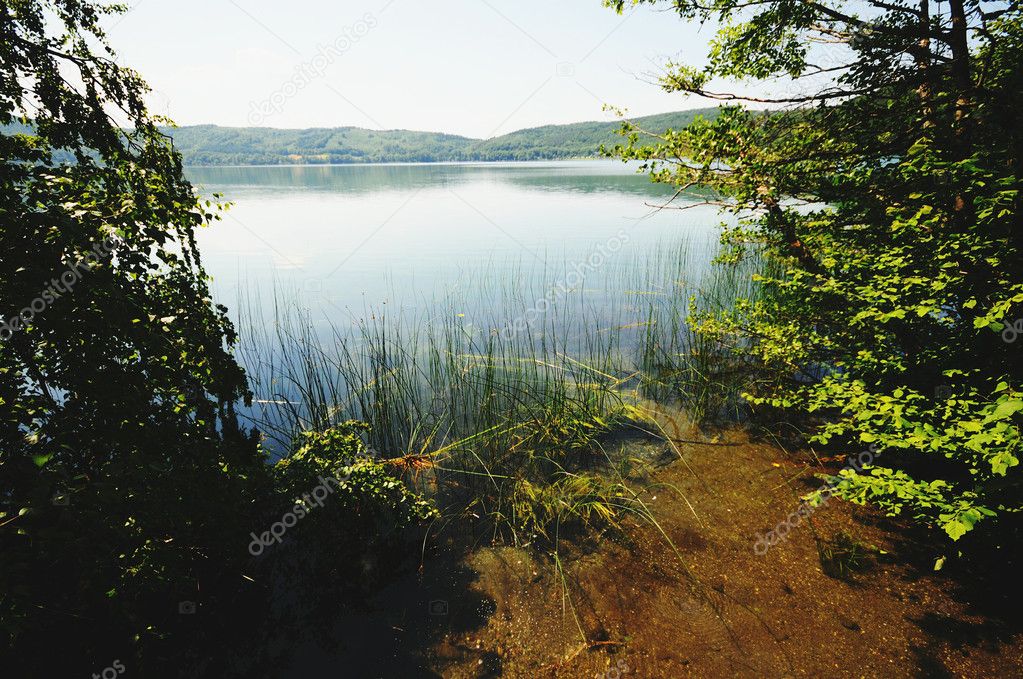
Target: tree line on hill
<point x="215" y="145"/>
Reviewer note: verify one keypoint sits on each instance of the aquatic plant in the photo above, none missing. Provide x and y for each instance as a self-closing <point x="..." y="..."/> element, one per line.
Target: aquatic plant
<point x="504" y="426"/>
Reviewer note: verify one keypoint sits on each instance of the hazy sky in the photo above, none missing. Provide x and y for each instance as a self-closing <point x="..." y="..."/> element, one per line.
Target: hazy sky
<point x="472" y="67"/>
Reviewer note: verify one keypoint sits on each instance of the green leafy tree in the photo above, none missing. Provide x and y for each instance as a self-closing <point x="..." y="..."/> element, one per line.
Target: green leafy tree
<point x="126" y="481"/>
<point x="882" y="183"/>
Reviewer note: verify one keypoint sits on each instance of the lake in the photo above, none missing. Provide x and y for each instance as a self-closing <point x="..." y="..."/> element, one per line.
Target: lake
<point x="346" y="238"/>
<point x="561" y="261"/>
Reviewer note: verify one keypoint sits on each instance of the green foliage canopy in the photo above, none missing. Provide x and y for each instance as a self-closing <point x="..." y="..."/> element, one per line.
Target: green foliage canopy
<point x="886" y="186"/>
<point x="118" y="440"/>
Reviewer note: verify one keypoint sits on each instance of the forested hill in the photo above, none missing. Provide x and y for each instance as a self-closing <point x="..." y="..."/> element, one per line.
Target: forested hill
<point x="214" y="145"/>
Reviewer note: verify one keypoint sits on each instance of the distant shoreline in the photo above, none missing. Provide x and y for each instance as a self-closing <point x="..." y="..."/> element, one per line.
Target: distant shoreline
<point x="413" y="163"/>
<point x="214" y="146"/>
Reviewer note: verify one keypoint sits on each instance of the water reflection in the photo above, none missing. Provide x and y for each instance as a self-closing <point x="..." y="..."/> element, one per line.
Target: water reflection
<point x="344" y="239"/>
<point x="564" y="176"/>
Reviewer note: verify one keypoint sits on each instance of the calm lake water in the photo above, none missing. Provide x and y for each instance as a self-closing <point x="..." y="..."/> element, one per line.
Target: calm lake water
<point x="546" y="260"/>
<point x="344" y="240"/>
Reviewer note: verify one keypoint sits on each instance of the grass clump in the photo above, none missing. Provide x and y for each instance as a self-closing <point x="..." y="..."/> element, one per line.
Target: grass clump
<point x="502" y="426"/>
<point x="843" y="555"/>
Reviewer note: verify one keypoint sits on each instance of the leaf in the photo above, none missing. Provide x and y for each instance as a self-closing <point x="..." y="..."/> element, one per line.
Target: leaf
<point x="1004" y="410"/>
<point x="957" y="529"/>
<point x="1001" y="462"/>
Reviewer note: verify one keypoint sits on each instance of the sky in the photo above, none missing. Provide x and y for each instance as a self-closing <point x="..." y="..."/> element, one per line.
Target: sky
<point x="478" y="68"/>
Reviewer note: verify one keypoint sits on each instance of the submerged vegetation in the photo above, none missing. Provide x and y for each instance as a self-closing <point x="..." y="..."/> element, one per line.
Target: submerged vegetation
<point x="507" y="422"/>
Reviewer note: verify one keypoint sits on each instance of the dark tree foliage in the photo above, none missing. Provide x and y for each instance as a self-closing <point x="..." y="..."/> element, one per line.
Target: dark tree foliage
<point x="125" y="481"/>
<point x="885" y="186"/>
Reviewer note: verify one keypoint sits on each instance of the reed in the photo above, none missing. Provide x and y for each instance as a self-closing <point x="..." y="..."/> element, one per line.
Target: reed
<point x="502" y="423"/>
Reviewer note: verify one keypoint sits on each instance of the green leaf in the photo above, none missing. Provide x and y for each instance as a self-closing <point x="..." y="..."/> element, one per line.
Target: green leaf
<point x="957" y="529"/>
<point x="1004" y="410"/>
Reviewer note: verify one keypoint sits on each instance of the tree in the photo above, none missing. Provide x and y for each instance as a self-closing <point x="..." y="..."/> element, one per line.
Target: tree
<point x="126" y="478"/>
<point x="885" y="185"/>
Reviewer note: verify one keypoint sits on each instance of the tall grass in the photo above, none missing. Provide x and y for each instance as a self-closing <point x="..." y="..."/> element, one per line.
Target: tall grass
<point x="502" y="424"/>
